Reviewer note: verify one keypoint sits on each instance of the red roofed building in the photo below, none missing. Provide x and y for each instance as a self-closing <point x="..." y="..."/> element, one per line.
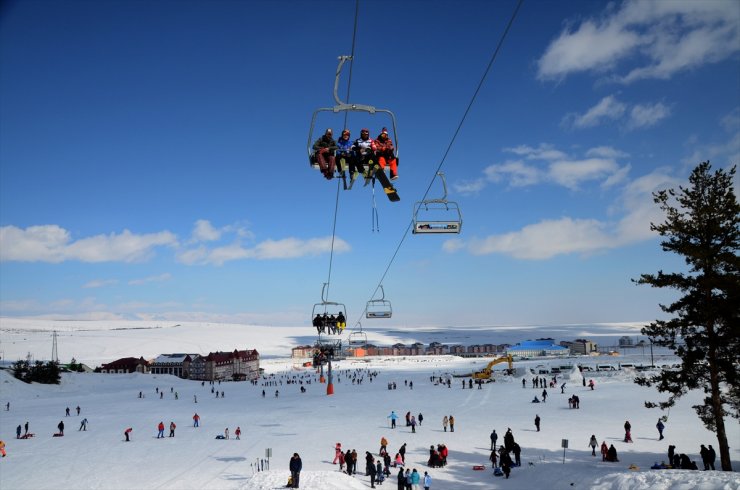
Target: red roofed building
<point x="239" y="364"/>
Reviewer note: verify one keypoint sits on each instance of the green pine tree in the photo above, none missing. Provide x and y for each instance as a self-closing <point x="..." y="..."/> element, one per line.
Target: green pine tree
<point x="702" y="225"/>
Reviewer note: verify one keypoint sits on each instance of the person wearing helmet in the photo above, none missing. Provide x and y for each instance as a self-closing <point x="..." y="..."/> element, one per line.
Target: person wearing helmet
<point x="383" y="148"/>
<point x="324" y="149"/>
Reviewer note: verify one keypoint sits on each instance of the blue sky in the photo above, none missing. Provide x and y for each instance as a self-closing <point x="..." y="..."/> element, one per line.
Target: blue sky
<point x="153" y="155"/>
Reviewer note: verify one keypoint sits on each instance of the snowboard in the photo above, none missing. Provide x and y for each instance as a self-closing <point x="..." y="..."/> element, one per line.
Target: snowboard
<point x="378" y="173"/>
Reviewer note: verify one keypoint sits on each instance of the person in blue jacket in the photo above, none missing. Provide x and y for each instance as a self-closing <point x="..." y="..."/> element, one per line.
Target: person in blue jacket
<point x="345" y="155"/>
<point x="296" y="465"/>
<point x="393" y="418"/>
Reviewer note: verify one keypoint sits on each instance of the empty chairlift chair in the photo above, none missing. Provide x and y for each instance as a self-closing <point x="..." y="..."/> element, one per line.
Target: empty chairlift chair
<point x="437" y="215"/>
<point x="379" y="308"/>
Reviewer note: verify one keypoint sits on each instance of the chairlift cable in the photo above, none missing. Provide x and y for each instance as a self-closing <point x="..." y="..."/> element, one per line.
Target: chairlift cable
<point x="336" y="203"/>
<point x="452" y="141"/>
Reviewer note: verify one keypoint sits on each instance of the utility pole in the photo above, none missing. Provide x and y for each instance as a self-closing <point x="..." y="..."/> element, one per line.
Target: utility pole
<point x="54" y="352"/>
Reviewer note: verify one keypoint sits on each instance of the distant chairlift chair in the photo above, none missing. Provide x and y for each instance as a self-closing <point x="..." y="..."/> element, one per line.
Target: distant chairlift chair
<point x="379" y="308"/>
<point x="437" y="215"/>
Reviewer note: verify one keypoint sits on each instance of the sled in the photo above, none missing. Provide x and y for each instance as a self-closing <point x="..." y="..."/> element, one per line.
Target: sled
<point x="27" y="436"/>
<point x="58" y="434"/>
<point x="498" y="472"/>
<point x="634" y="467"/>
<point x="479" y="467"/>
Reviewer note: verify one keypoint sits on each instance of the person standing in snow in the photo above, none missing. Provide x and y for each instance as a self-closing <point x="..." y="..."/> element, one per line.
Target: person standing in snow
<point x="402" y="452"/>
<point x="492" y="457"/>
<point x="238" y="433"/>
<point x="160" y="427"/>
<point x="337" y="452"/>
<point x="660" y="428"/>
<point x="370" y="470"/>
<point x="593" y="443"/>
<point x="196" y="420"/>
<point x="604" y="451"/>
<point x="506" y="463"/>
<point x="296" y="465"/>
<point x="61" y="427"/>
<point x="452" y="423"/>
<point x="393" y="418"/>
<point x="18" y="432"/>
<point x="172" y="429"/>
<point x="544" y="396"/>
<point x="627" y="431"/>
<point x="517" y="450"/>
<point x="711" y="457"/>
<point x="83" y="424"/>
<point x="126" y="433"/>
<point x="494" y="438"/>
<point x="445" y="421"/>
<point x="427" y="481"/>
<point x="537" y="422"/>
<point x="420" y="418"/>
<point x="67" y="412"/>
<point x="401" y="480"/>
<point x="413" y="424"/>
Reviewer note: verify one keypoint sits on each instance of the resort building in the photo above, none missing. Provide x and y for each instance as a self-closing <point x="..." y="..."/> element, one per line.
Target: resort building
<point x="538" y="348"/>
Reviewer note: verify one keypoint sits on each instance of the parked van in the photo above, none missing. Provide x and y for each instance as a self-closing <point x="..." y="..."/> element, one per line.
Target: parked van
<point x="605" y="367"/>
<point x="626" y="365"/>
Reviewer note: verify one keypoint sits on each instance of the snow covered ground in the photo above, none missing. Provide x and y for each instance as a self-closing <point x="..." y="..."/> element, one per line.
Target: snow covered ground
<point x="311" y="423"/>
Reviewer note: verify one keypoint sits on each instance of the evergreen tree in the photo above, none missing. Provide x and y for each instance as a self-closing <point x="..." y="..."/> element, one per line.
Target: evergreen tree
<point x="703" y="226"/>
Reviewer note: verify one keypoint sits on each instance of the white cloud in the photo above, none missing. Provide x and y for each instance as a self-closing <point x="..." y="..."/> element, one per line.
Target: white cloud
<point x="571" y="173"/>
<point x="543" y="152"/>
<point x="606" y="152"/>
<point x="731" y="122"/>
<point x="288" y="248"/>
<point x="646" y="115"/>
<point x="545" y="240"/>
<point x="51" y="243"/>
<point x="518" y="173"/>
<point x="559" y="168"/>
<point x="99" y="283"/>
<point x="593" y="46"/>
<point x="469" y="187"/>
<point x="648" y="39"/>
<point x="550" y="238"/>
<point x="203" y="231"/>
<point x="146" y="280"/>
<point x="608" y="108"/>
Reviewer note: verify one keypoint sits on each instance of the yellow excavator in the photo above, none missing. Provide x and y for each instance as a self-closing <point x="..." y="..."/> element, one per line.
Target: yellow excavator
<point x="486" y="372"/>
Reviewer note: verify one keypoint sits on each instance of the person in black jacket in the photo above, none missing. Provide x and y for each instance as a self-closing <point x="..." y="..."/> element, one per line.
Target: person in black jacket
<point x="324" y="149"/>
<point x="401" y="479"/>
<point x="296" y="465"/>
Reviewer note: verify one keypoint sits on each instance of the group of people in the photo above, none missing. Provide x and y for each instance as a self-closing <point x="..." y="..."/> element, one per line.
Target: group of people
<point x="683" y="462"/>
<point x="330" y="323"/>
<point x="359" y="155"/>
<point x="438" y="456"/>
<point x="501" y="458"/>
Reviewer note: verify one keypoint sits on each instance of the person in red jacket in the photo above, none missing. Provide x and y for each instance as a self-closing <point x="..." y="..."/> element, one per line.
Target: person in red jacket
<point x="160" y="427"/>
<point x="385" y="153"/>
<point x="126" y="433"/>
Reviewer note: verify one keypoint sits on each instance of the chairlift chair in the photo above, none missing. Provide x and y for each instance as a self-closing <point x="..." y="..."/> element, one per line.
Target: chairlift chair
<point x="379" y="308"/>
<point x="329" y="308"/>
<point x="357" y="338"/>
<point x="346" y="107"/>
<point x="437" y="215"/>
